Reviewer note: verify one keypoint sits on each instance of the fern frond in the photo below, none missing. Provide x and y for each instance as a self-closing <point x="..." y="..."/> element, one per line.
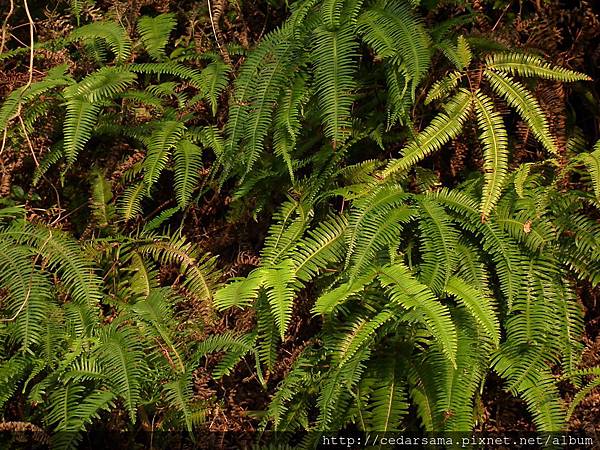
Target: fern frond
<point x="479" y="305"/>
<point x="188" y="162"/>
<point x="443" y="87"/>
<point x="334" y="55"/>
<point x="495" y="151"/>
<point x="531" y="66"/>
<point x="278" y="282"/>
<point x="154" y="32"/>
<point x="161" y="142"/>
<point x="122" y="355"/>
<point x="592" y="161"/>
<point x="407" y="292"/>
<point x="78" y="127"/>
<point x="130" y="204"/>
<point x="111" y="32"/>
<point x="444" y="127"/>
<point x="526" y="105"/>
<point x="394" y="31"/>
<point x="439" y="240"/>
<point x="214" y="79"/>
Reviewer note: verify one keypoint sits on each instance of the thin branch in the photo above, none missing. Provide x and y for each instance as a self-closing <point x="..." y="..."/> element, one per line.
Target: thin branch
<point x="5" y="25"/>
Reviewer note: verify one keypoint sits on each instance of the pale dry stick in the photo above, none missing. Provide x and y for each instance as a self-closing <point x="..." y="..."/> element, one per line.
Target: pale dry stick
<point x="214" y="23"/>
<point x="31" y="29"/>
<point x="30" y="80"/>
<point x="5" y="25"/>
<point x="30" y="282"/>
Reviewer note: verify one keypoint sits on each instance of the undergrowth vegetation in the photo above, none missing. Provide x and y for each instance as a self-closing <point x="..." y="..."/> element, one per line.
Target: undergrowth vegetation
<point x="429" y="199"/>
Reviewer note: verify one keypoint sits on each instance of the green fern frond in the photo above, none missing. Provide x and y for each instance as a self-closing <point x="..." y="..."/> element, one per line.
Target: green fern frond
<point x="111" y="32"/>
<point x="334" y="55"/>
<point x="394" y="31"/>
<point x="443" y="87"/>
<point x="214" y="79"/>
<point x="199" y="269"/>
<point x="407" y="292"/>
<point x="161" y="142"/>
<point x="130" y="204"/>
<point x="278" y="283"/>
<point x="444" y="127"/>
<point x="78" y="127"/>
<point x="479" y="305"/>
<point x="122" y="355"/>
<point x="188" y="162"/>
<point x="526" y="105"/>
<point x="439" y="240"/>
<point x="154" y="32"/>
<point x="531" y="66"/>
<point x="495" y="151"/>
<point x="592" y="161"/>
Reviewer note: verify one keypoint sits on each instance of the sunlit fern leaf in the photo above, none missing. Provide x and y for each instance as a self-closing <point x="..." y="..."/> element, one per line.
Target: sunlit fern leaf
<point x="161" y="219"/>
<point x="358" y="333"/>
<point x="179" y="395"/>
<point x="495" y="151"/>
<point x="111" y="32"/>
<point x="101" y="196"/>
<point x="526" y="105"/>
<point x="234" y="355"/>
<point x="443" y="87"/>
<point x="28" y="293"/>
<point x="407" y="292"/>
<point x="464" y="52"/>
<point x="287" y="121"/>
<point x="399" y="95"/>
<point x="288" y="225"/>
<point x="388" y="402"/>
<point x="199" y="269"/>
<point x="530" y="377"/>
<point x="154" y="32"/>
<point x="444" y="127"/>
<point x="592" y="161"/>
<point x="188" y="162"/>
<point x="531" y="66"/>
<point x="278" y="283"/>
<point x="520" y="178"/>
<point x="214" y="79"/>
<point x="380" y="231"/>
<point x="394" y="31"/>
<point x="157" y="310"/>
<point x="271" y="80"/>
<point x="479" y="305"/>
<point x="334" y="55"/>
<point x="63" y="254"/>
<point x="321" y="247"/>
<point x="130" y="204"/>
<point x="78" y="126"/>
<point x="104" y="83"/>
<point x="367" y="213"/>
<point x="504" y="252"/>
<point x="162" y="141"/>
<point x="122" y="356"/>
<point x="439" y="239"/>
<point x="170" y="68"/>
<point x="239" y="292"/>
<point x="326" y="303"/>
